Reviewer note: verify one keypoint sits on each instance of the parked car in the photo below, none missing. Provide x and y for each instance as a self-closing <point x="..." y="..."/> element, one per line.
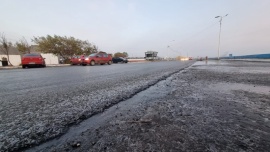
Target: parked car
<point x="119" y="59"/>
<point x="33" y="60"/>
<point x="75" y="60"/>
<point x="97" y="58"/>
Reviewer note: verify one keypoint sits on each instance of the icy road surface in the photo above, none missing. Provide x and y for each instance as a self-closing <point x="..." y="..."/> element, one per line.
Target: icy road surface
<point x="41" y="103"/>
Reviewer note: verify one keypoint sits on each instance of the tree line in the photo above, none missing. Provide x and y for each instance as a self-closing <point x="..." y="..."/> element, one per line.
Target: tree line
<point x="62" y="46"/>
<point x="119" y="54"/>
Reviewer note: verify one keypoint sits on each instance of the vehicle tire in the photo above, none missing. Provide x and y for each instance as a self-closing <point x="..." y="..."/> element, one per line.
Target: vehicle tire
<point x="83" y="64"/>
<point x="23" y="66"/>
<point x="110" y="62"/>
<point x="92" y="63"/>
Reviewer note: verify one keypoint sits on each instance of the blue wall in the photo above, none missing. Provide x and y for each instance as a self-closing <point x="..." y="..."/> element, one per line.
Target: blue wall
<point x="255" y="56"/>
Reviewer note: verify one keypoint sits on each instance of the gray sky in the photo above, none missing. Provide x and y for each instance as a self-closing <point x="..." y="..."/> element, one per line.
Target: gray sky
<point x="135" y="26"/>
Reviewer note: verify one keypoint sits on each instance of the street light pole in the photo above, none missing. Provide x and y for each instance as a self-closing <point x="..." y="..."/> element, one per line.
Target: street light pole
<point x="221" y="17"/>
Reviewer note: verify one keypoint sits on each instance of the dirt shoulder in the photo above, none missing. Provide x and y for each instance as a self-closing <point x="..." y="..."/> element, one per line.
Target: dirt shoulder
<point x="222" y="106"/>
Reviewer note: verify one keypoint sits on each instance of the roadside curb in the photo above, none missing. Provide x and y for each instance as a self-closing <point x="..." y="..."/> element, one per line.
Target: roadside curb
<point x="58" y="65"/>
<point x="10" y="67"/>
<point x="19" y="67"/>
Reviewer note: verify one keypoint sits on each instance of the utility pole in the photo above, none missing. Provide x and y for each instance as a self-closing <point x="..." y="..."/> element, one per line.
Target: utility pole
<point x="220" y="21"/>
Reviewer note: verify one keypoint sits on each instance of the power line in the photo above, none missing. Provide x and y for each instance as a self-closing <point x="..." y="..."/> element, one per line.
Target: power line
<point x="173" y="50"/>
<point x="196" y="34"/>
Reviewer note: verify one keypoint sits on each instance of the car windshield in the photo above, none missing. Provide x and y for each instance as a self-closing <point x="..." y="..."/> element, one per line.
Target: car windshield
<point x="93" y="54"/>
<point x="31" y="55"/>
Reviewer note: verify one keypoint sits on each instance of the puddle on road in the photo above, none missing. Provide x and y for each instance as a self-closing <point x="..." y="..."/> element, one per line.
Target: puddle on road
<point x="209" y="62"/>
<point x="238" y="86"/>
<point x="219" y="66"/>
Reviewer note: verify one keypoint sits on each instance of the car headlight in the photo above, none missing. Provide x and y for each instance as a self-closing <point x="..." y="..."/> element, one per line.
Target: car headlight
<point x="86" y="58"/>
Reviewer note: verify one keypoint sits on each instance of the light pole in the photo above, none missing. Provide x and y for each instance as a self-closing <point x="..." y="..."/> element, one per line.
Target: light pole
<point x="221" y="17"/>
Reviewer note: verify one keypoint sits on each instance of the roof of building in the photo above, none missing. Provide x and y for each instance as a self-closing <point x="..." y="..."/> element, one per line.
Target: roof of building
<point x="151" y="52"/>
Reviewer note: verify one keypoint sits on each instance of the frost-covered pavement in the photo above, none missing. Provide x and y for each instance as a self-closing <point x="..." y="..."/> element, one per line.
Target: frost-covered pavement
<point x="222" y="106"/>
<point x="39" y="104"/>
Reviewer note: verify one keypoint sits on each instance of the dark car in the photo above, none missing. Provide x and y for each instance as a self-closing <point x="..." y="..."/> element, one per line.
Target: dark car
<point x="33" y="60"/>
<point x="119" y="59"/>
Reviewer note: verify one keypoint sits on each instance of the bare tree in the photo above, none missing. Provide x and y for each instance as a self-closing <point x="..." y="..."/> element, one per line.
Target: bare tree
<point x="23" y="46"/>
<point x="5" y="45"/>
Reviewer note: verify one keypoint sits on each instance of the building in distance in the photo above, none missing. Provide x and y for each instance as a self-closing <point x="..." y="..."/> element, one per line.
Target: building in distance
<point x="151" y="55"/>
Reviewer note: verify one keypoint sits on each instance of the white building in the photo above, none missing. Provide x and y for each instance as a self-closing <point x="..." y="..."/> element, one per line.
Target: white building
<point x="15" y="57"/>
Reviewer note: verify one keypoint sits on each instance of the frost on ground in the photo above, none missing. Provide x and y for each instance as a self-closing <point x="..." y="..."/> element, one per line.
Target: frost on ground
<point x="25" y="123"/>
<point x="199" y="109"/>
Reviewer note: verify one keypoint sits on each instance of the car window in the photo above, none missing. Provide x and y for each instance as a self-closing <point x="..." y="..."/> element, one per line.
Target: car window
<point x="93" y="54"/>
<point x="31" y="55"/>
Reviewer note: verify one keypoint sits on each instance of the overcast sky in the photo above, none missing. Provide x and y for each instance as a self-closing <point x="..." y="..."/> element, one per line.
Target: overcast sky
<point x="135" y="26"/>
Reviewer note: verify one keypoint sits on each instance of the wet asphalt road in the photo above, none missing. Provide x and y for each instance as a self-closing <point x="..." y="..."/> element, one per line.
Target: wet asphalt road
<point x="210" y="106"/>
<point x="41" y="103"/>
<point x="35" y="81"/>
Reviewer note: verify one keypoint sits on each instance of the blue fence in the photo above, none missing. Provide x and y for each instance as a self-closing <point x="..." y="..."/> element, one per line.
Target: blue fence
<point x="255" y="56"/>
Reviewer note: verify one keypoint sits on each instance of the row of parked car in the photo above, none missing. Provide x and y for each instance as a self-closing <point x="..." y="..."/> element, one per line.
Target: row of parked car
<point x="96" y="58"/>
<point x="35" y="59"/>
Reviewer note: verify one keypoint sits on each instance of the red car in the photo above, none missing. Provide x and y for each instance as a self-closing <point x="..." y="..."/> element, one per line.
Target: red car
<point x="33" y="60"/>
<point x="97" y="58"/>
<point x="75" y="60"/>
